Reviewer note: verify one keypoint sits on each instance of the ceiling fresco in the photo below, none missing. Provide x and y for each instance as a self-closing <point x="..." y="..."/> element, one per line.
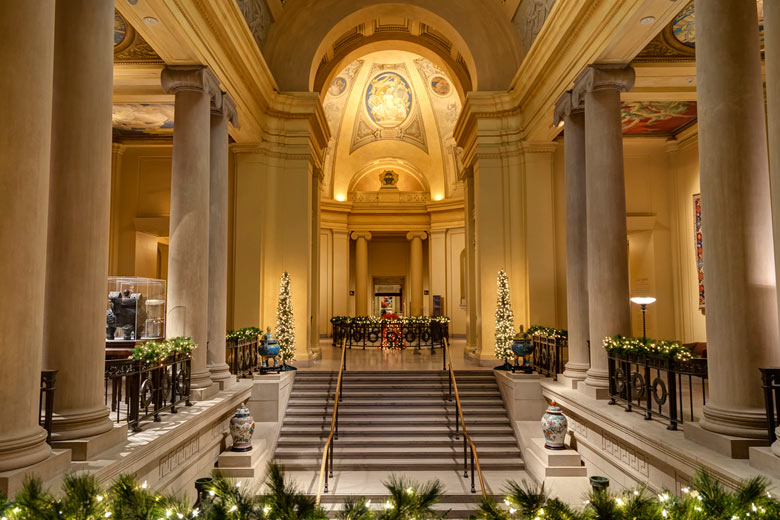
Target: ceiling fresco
<point x="388" y="99"/>
<point x="657" y="117"/>
<point x="677" y="41"/>
<point x="129" y="46"/>
<point x="141" y="119"/>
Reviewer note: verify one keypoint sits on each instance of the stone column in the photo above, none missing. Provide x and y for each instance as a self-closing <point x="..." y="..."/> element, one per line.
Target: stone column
<point x="599" y="87"/>
<point x="416" y="270"/>
<point x="117" y="152"/>
<point x="742" y="321"/>
<point x="79" y="214"/>
<point x="188" y="254"/>
<point x="361" y="271"/>
<point x="223" y="110"/>
<point x="772" y="54"/>
<point x="573" y="118"/>
<point x="28" y="51"/>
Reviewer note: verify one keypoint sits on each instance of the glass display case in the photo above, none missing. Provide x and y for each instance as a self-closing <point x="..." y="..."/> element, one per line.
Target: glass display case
<point x="136" y="309"/>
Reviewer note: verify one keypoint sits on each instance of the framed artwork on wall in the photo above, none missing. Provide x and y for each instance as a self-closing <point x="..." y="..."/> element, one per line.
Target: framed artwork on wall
<point x="697" y="244"/>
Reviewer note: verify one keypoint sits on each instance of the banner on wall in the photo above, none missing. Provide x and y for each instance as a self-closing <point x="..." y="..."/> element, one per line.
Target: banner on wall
<point x="697" y="239"/>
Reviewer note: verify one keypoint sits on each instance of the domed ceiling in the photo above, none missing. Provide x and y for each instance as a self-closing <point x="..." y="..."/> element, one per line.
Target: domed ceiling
<point x="391" y="110"/>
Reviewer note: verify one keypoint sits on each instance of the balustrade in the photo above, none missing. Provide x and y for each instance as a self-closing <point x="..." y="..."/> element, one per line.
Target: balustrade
<point x="398" y="334"/>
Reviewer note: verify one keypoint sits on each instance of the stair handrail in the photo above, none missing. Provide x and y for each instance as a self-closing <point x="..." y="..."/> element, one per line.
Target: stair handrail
<point x="466" y="437"/>
<point x="327" y="452"/>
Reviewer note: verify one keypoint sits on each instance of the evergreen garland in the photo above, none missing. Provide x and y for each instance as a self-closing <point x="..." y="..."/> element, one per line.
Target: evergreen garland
<point x="285" y="322"/>
<point x="505" y="326"/>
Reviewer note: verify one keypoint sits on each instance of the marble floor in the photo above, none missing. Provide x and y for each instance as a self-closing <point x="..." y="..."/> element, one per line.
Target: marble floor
<point x="372" y="358"/>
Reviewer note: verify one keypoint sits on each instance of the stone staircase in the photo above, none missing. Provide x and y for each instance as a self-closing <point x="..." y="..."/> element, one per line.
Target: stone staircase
<point x="397" y="422"/>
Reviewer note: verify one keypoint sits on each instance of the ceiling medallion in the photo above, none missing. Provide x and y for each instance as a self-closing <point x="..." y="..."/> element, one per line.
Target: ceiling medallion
<point x="388" y="99"/>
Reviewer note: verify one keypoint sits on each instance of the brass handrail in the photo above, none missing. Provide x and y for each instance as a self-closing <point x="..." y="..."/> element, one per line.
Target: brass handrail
<point x="327" y="452"/>
<point x="466" y="436"/>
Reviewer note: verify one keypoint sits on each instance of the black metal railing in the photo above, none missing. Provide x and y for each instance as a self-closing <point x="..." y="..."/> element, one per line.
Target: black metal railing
<point x="46" y="401"/>
<point x="550" y="355"/>
<point x="391" y="334"/>
<point x="657" y="386"/>
<point x="770" y="378"/>
<point x="138" y="389"/>
<point x="241" y="356"/>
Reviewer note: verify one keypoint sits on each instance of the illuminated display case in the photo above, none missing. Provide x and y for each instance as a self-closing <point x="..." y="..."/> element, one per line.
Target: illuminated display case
<point x="135" y="309"/>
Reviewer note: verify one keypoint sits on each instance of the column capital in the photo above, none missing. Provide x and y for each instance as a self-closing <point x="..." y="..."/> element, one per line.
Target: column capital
<point x="174" y="78"/>
<point x="599" y="77"/>
<point x="360" y="234"/>
<point x="565" y="107"/>
<point x="223" y="105"/>
<point x="411" y="235"/>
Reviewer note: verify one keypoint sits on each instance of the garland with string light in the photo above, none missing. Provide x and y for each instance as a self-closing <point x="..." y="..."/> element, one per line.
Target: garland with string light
<point x="505" y="320"/>
<point x="156" y="352"/>
<point x="285" y="322"/>
<point x="672" y="350"/>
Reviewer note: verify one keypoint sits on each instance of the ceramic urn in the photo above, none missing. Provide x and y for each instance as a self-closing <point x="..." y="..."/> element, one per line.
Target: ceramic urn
<point x="242" y="426"/>
<point x="554" y="425"/>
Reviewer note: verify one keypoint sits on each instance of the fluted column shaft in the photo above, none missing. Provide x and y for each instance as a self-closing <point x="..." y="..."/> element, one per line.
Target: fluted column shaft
<point x="188" y="254"/>
<point x="416" y="270"/>
<point x="742" y="322"/>
<point x="361" y="272"/>
<point x="223" y="111"/>
<point x="79" y="209"/>
<point x="28" y="51"/>
<point x="607" y="248"/>
<point x="573" y="117"/>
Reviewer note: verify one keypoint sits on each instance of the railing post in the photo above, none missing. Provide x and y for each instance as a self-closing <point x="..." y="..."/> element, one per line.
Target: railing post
<point x="648" y="387"/>
<point x="768" y="380"/>
<point x="48" y="378"/>
<point x="133" y="382"/>
<point x="672" y="378"/>
<point x="465" y="458"/>
<point x="473" y="489"/>
<point x="332" y="448"/>
<point x="627" y="386"/>
<point x="327" y="459"/>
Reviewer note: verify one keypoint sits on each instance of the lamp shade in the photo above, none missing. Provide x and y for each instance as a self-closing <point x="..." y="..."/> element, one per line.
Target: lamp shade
<point x="643" y="300"/>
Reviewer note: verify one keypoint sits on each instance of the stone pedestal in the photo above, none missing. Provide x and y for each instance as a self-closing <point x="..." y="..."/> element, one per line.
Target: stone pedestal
<point x="246" y="464"/>
<point x="188" y="258"/>
<point x="573" y="117"/>
<point x="223" y="110"/>
<point x="361" y="272"/>
<point x="27" y="52"/>
<point x="738" y="251"/>
<point x="599" y="88"/>
<point x="543" y="463"/>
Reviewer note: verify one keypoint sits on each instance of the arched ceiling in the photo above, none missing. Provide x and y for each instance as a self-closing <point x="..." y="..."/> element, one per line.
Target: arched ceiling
<point x="396" y="110"/>
<point x="476" y="37"/>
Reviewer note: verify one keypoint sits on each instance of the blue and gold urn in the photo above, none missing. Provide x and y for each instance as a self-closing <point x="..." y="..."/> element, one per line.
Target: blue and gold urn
<point x="268" y="348"/>
<point x="522" y="346"/>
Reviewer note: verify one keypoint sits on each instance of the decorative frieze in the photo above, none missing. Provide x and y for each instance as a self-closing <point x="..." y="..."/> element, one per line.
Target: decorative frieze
<point x="179" y="456"/>
<point x="624" y="454"/>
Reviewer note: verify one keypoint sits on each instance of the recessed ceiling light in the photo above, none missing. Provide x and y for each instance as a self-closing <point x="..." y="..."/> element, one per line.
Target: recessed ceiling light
<point x="647" y="20"/>
<point x="150" y="20"/>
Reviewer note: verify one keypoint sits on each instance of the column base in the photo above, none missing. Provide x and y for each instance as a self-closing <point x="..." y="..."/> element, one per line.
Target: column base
<point x="728" y="445"/>
<point x="72" y="424"/>
<point x="594" y="392"/>
<point x="204" y="394"/>
<point x="765" y="460"/>
<point x="221" y="376"/>
<point x="574" y="374"/>
<point x="86" y="448"/>
<point x="596" y="384"/>
<point x="25" y="450"/>
<point x="56" y="463"/>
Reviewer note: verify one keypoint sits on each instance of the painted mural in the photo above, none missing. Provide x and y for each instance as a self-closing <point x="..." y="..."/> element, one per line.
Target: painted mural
<point x="684" y="24"/>
<point x="657" y="117"/>
<point x="143" y="119"/>
<point x="388" y="99"/>
<point x="337" y="86"/>
<point x="120" y="29"/>
<point x="440" y="85"/>
<point x="697" y="238"/>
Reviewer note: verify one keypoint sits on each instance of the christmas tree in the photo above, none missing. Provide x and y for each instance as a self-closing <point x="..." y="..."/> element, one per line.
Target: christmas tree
<point x="505" y="327"/>
<point x="285" y="323"/>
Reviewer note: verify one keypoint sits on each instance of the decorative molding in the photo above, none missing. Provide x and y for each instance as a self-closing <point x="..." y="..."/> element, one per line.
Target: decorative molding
<point x="132" y="48"/>
<point x="565" y="107"/>
<point x="360" y="234"/>
<point x="624" y="454"/>
<point x="179" y="456"/>
<point x="529" y="20"/>
<point x="223" y="105"/>
<point x="422" y="235"/>
<point x="189" y="77"/>
<point x="598" y="77"/>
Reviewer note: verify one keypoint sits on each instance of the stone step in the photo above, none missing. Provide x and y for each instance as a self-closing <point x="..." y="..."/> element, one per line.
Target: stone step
<point x="393" y="422"/>
<point x="383" y="452"/>
<point x="455" y="506"/>
<point x="398" y="464"/>
<point x="439" y="387"/>
<point x="400" y="403"/>
<point x="403" y="394"/>
<point x="401" y="431"/>
<point x="366" y="411"/>
<point x="447" y="441"/>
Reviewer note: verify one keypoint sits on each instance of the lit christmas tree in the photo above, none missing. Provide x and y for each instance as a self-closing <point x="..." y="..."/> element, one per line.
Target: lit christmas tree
<point x="505" y="318"/>
<point x="285" y="323"/>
